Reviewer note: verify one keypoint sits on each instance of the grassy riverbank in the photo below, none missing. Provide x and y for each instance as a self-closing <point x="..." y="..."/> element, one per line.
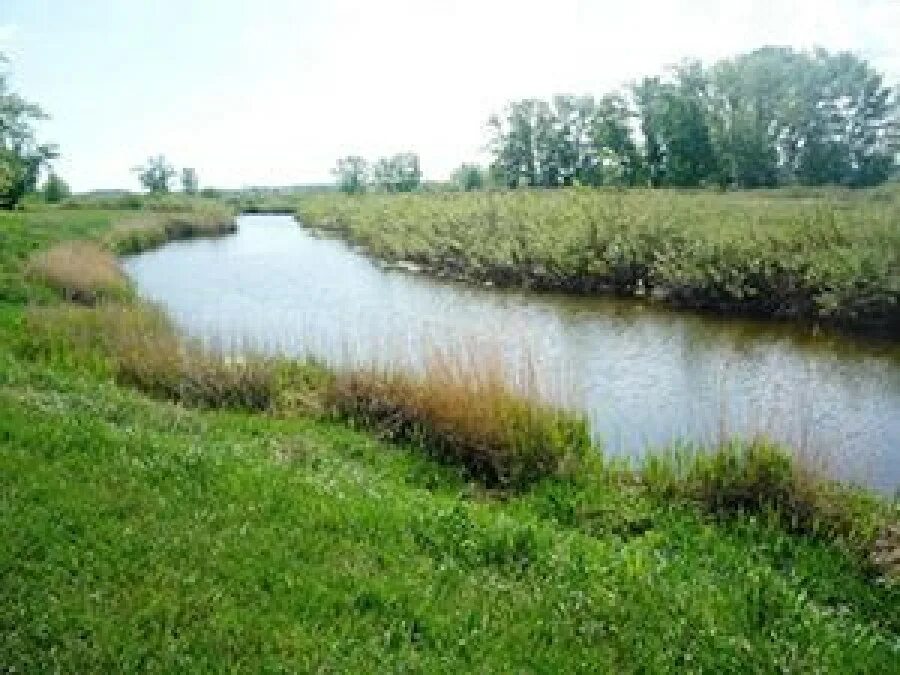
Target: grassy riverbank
<point x="167" y="509"/>
<point x="831" y="257"/>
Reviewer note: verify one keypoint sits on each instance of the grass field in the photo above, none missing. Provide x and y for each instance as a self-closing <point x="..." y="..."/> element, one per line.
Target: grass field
<point x="150" y="526"/>
<point x="830" y="257"/>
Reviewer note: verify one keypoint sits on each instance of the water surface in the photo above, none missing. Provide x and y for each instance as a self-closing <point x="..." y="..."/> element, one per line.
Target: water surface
<point x="644" y="376"/>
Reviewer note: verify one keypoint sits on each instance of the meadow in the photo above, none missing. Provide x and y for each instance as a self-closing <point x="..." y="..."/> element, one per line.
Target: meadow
<point x="168" y="508"/>
<point x="829" y="256"/>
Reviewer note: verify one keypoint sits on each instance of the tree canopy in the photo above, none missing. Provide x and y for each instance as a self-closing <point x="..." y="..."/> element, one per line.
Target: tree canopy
<point x="21" y="156"/>
<point x="774" y="116"/>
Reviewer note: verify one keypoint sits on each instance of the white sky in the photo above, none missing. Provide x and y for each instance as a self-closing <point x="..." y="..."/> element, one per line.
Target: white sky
<point x="273" y="91"/>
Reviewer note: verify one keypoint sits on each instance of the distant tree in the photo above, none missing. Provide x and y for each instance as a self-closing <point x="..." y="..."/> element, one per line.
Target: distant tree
<point x="568" y="140"/>
<point x="352" y="173"/>
<point x="677" y="127"/>
<point x="468" y="177"/>
<point x="398" y="173"/>
<point x="189" y="181"/>
<point x="21" y="156"/>
<point x="55" y="189"/>
<point x="156" y="175"/>
<point x="210" y="193"/>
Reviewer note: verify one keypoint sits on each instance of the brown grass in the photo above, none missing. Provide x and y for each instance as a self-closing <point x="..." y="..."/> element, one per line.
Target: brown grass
<point x="81" y="272"/>
<point x="465" y="412"/>
<point x="886" y="555"/>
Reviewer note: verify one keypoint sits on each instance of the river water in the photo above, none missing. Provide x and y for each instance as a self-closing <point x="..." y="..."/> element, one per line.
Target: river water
<point x="645" y="377"/>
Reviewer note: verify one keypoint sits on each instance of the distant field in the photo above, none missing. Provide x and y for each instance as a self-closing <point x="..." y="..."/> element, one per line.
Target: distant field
<point x="829" y="256"/>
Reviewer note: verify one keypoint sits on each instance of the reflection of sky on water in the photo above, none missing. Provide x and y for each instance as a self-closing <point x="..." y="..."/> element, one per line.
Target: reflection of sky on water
<point x="645" y="377"/>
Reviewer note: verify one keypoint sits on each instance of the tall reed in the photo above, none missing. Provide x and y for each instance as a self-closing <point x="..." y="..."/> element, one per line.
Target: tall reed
<point x="464" y="410"/>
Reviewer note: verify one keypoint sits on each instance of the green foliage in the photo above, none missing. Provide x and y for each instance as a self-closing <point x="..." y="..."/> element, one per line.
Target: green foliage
<point x="156" y="175"/>
<point x="468" y="177"/>
<point x="399" y="173"/>
<point x="774" y="116"/>
<point x="352" y="173"/>
<point x="563" y="142"/>
<point x="826" y="257"/>
<point x="189" y="181"/>
<point x="21" y="156"/>
<point x="56" y="189"/>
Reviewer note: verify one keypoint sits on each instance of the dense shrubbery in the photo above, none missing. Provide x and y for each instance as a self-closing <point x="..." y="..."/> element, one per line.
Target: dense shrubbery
<point x="831" y="258"/>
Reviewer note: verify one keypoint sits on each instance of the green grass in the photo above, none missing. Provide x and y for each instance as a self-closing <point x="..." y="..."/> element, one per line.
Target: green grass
<point x="831" y="257"/>
<point x="139" y="534"/>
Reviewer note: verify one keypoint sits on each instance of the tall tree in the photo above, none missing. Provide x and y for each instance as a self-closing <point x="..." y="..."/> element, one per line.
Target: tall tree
<point x="676" y="125"/>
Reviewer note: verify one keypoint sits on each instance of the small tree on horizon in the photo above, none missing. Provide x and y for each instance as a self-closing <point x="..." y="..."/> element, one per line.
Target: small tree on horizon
<point x="156" y="174"/>
<point x="190" y="184"/>
<point x="352" y="173"/>
<point x="55" y="189"/>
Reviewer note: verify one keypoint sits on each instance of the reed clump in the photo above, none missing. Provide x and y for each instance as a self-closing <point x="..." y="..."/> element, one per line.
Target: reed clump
<point x="467" y="416"/>
<point x="139" y="345"/>
<point x="81" y="272"/>
<point x="762" y="478"/>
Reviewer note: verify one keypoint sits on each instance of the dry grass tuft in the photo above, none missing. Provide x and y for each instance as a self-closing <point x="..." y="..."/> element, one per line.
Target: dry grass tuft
<point x="80" y="271"/>
<point x="886" y="555"/>
<point x="143" y="350"/>
<point x="465" y="412"/>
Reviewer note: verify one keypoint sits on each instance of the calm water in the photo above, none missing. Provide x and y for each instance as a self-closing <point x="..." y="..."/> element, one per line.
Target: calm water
<point x="644" y="376"/>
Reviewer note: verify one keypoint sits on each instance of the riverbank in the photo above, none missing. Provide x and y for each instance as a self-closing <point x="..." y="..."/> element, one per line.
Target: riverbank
<point x="824" y="257"/>
<point x="262" y="531"/>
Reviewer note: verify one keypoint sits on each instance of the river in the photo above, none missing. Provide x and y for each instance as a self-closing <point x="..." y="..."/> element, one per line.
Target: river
<point x="646" y="377"/>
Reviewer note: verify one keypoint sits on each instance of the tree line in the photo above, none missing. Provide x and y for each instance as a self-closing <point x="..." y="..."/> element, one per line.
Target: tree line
<point x="398" y="173"/>
<point x="771" y="117"/>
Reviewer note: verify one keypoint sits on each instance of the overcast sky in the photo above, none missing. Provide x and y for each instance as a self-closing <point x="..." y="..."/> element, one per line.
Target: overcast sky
<point x="273" y="91"/>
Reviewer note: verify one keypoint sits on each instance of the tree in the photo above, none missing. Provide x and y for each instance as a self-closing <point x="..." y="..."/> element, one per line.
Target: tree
<point x="676" y="126"/>
<point x="399" y="173"/>
<point x="21" y="156"/>
<point x="468" y="177"/>
<point x="189" y="182"/>
<point x="785" y="116"/>
<point x="568" y="140"/>
<point x="156" y="175"/>
<point x="352" y="174"/>
<point x="55" y="189"/>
